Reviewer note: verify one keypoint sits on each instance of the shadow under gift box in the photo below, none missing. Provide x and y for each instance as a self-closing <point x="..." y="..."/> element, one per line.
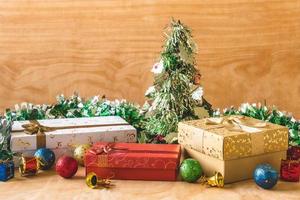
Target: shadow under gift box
<point x="235" y="154"/>
<point x="134" y="161"/>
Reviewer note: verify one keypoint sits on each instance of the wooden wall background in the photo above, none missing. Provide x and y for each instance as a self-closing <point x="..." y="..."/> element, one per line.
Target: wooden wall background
<point x="249" y="50"/>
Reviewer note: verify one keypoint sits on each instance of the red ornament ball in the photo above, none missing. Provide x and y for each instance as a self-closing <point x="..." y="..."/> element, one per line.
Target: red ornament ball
<point x="66" y="166"/>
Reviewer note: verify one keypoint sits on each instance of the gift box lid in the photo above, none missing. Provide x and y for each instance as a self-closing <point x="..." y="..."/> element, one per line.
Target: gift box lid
<point x="233" y="137"/>
<point x="74" y="122"/>
<point x="133" y="155"/>
<point x="62" y="133"/>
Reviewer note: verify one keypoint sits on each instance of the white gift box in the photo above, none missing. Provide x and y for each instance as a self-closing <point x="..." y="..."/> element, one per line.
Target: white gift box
<point x="73" y="131"/>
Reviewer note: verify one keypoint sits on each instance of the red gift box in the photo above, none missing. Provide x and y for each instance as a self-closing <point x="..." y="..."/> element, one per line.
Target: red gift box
<point x="134" y="161"/>
<point x="290" y="170"/>
<point x="293" y="153"/>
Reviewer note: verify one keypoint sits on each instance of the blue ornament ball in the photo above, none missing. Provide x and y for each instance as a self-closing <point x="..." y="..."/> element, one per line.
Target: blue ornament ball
<point x="265" y="176"/>
<point x="46" y="156"/>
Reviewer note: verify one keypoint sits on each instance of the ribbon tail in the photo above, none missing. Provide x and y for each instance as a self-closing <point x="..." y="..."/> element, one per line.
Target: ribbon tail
<point x="40" y="140"/>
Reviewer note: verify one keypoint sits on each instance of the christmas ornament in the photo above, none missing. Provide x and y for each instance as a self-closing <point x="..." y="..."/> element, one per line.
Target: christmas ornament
<point x="158" y="67"/>
<point x="79" y="153"/>
<point x="197" y="78"/>
<point x="265" y="176"/>
<point x="290" y="170"/>
<point x="158" y="139"/>
<point x="190" y="170"/>
<point x="46" y="156"/>
<point x="29" y="166"/>
<point x="216" y="180"/>
<point x="66" y="166"/>
<point x="94" y="182"/>
<point x="7" y="170"/>
<point x="197" y="94"/>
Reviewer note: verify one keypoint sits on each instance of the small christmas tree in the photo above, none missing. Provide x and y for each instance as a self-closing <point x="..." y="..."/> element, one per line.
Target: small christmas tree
<point x="176" y="91"/>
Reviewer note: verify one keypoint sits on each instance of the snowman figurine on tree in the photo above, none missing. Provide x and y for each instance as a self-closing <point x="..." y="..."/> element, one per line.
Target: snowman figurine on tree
<point x="176" y="94"/>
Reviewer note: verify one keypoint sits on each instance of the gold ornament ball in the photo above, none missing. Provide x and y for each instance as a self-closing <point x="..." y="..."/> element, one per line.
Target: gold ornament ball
<point x="79" y="153"/>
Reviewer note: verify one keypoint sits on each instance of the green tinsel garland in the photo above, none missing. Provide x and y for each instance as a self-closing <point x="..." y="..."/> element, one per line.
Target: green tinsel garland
<point x="71" y="107"/>
<point x="272" y="115"/>
<point x="75" y="106"/>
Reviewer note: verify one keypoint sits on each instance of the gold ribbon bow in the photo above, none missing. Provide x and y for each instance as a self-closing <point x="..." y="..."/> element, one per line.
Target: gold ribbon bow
<point x="35" y="128"/>
<point x="103" y="153"/>
<point x="106" y="149"/>
<point x="236" y="123"/>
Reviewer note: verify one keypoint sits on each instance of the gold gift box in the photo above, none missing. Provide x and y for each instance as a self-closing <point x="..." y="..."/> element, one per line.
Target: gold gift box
<point x="236" y="169"/>
<point x="233" y="145"/>
<point x="248" y="138"/>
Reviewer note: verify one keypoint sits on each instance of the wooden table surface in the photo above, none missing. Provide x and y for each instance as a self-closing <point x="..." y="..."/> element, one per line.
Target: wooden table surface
<point x="49" y="186"/>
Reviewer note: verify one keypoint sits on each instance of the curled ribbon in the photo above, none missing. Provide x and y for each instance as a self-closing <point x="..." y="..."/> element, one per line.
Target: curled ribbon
<point x="236" y="123"/>
<point x="106" y="149"/>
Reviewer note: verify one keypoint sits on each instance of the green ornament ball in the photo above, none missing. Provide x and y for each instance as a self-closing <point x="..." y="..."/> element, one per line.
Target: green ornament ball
<point x="190" y="170"/>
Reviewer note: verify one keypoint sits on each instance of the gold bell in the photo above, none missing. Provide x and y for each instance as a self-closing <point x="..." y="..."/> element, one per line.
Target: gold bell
<point x="94" y="182"/>
<point x="216" y="180"/>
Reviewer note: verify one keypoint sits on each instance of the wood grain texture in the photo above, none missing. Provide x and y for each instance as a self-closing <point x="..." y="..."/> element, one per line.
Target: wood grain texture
<point x="249" y="50"/>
